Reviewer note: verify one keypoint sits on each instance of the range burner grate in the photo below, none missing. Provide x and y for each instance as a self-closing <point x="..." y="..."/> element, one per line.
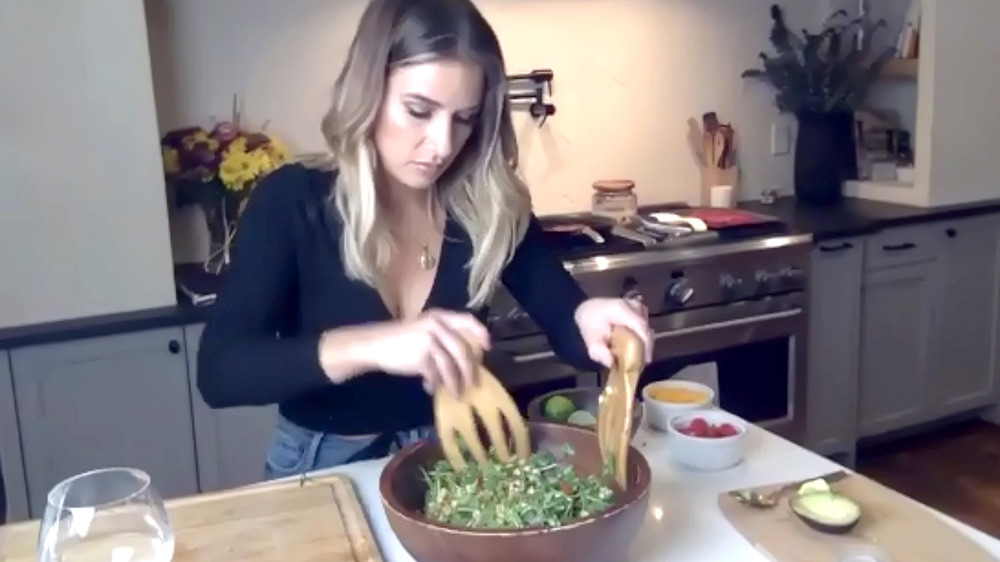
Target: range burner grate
<point x="571" y="246"/>
<point x="568" y="239"/>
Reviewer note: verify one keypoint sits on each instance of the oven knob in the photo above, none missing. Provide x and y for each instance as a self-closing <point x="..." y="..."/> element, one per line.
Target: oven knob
<point x="680" y="292"/>
<point x="729" y="282"/>
<point x="516" y="314"/>
<point x="791" y="273"/>
<point x="765" y="279"/>
<point x="730" y="285"/>
<point x="630" y="289"/>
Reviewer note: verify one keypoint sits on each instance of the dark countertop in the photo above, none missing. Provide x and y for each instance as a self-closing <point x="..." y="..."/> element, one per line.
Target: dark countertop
<point x="855" y="217"/>
<point x="104" y="325"/>
<point x="852" y="217"/>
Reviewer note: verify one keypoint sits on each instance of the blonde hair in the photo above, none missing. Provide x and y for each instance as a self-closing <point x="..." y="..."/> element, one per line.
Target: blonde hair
<point x="481" y="189"/>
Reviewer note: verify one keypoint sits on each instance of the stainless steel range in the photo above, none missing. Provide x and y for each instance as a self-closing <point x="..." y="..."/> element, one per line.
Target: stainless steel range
<point x="737" y="299"/>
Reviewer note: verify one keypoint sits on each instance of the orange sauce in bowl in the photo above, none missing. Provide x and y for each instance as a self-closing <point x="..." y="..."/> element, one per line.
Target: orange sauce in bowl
<point x="677" y="395"/>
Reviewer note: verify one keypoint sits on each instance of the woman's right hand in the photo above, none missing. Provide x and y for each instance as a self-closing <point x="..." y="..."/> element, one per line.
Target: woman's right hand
<point x="442" y="347"/>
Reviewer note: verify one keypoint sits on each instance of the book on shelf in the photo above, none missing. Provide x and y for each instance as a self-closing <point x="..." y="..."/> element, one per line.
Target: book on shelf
<point x="908" y="42"/>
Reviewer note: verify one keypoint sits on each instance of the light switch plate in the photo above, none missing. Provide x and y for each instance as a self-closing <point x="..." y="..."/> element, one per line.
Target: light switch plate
<point x="780" y="143"/>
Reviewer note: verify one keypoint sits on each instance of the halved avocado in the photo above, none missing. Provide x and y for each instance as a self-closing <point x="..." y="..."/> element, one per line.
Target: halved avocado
<point x="825" y="510"/>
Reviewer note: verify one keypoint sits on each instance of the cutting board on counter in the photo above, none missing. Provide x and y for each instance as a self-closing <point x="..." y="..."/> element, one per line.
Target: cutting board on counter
<point x="318" y="520"/>
<point x="896" y="524"/>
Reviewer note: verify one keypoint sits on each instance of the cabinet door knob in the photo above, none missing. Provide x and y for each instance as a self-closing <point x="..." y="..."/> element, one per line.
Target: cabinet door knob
<point x="951" y="233"/>
<point x="174" y="346"/>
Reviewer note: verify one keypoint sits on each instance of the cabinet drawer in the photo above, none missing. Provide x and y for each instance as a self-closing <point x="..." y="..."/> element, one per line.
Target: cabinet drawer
<point x="900" y="246"/>
<point x="837" y="250"/>
<point x="957" y="231"/>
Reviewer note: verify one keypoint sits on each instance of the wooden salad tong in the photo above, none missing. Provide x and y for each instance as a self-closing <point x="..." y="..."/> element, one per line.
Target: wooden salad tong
<point x="455" y="421"/>
<point x="614" y="413"/>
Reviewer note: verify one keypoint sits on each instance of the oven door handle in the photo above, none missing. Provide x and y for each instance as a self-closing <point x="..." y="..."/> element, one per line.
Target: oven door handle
<point x="542" y="355"/>
<point x="728" y="323"/>
<point x="532" y="357"/>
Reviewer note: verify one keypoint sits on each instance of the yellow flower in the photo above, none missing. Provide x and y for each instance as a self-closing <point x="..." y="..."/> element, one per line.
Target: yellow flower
<point x="171" y="160"/>
<point x="239" y="144"/>
<point x="277" y="150"/>
<point x="240" y="169"/>
<point x="266" y="160"/>
<point x="237" y="170"/>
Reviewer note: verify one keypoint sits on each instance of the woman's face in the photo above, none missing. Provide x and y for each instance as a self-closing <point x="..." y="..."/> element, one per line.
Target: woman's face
<point x="427" y="115"/>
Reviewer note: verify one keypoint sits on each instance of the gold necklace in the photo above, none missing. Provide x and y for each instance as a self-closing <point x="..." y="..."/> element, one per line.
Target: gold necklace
<point x="427" y="260"/>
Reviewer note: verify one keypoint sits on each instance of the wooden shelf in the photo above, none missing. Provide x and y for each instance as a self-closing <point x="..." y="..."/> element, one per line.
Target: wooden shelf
<point x="901" y="69"/>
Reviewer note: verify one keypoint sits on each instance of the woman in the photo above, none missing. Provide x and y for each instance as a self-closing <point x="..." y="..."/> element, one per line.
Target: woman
<point x="355" y="287"/>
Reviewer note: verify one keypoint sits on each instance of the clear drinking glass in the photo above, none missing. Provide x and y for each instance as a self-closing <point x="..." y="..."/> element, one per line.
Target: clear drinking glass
<point x="107" y="515"/>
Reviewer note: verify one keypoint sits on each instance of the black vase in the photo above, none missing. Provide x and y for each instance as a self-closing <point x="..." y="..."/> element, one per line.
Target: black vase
<point x="824" y="156"/>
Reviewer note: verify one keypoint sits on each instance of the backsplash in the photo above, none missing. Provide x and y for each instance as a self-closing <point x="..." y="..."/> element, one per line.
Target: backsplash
<point x="627" y="79"/>
<point x="629" y="73"/>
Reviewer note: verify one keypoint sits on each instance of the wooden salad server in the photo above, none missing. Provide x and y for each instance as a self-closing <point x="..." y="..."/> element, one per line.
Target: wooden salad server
<point x="455" y="421"/>
<point x="614" y="414"/>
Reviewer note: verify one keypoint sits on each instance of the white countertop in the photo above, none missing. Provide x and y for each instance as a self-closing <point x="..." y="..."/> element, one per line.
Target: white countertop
<point x="684" y="523"/>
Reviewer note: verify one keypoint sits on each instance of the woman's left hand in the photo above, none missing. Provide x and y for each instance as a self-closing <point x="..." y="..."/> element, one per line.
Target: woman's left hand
<point x="596" y="317"/>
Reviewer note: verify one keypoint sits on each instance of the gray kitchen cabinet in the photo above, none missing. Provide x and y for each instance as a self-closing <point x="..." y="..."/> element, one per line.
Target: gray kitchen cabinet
<point x="902" y="245"/>
<point x="894" y="370"/>
<point x="13" y="492"/>
<point x="966" y="340"/>
<point x="120" y="400"/>
<point x="836" y="271"/>
<point x="232" y="442"/>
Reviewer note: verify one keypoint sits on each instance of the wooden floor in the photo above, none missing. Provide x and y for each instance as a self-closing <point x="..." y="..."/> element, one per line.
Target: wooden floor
<point x="955" y="470"/>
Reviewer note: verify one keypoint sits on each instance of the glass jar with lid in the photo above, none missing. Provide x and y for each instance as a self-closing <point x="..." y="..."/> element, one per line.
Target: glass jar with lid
<point x="614" y="199"/>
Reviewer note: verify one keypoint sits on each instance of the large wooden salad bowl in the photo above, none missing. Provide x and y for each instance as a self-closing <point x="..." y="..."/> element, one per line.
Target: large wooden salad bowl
<point x="602" y="537"/>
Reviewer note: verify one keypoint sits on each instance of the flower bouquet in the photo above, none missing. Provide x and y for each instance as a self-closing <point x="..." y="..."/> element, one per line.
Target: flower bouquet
<point x="217" y="169"/>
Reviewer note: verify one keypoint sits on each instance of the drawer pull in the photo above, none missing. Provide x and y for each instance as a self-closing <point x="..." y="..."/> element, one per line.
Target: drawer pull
<point x="174" y="347"/>
<point x="951" y="233"/>
<point x="838" y="248"/>
<point x="898" y="247"/>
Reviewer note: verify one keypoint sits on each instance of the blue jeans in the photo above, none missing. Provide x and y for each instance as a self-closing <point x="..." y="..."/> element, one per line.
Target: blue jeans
<point x="296" y="450"/>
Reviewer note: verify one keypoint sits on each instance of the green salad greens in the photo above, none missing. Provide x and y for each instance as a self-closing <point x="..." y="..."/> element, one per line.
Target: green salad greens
<point x="540" y="491"/>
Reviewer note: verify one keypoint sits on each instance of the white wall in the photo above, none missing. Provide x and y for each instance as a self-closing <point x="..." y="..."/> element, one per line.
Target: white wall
<point x="628" y="75"/>
<point x="959" y="82"/>
<point x="83" y="220"/>
<point x="83" y="223"/>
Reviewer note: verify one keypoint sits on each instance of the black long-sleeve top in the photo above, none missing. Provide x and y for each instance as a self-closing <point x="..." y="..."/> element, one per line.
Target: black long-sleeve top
<point x="287" y="285"/>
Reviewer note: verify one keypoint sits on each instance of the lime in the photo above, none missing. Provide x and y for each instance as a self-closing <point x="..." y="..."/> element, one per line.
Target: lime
<point x="559" y="408"/>
<point x="582" y="418"/>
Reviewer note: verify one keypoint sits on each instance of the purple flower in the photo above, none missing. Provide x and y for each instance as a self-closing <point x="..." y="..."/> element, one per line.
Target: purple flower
<point x="174" y="138"/>
<point x="224" y="132"/>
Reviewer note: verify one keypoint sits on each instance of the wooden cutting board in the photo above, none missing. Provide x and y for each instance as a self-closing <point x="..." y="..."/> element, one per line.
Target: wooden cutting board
<point x="319" y="520"/>
<point x="898" y="525"/>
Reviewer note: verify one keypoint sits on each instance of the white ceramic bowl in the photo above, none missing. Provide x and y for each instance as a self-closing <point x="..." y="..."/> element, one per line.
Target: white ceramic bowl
<point x="658" y="413"/>
<point x="707" y="453"/>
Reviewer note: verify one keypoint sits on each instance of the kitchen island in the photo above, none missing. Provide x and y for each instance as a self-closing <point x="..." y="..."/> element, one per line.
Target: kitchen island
<point x="684" y="523"/>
